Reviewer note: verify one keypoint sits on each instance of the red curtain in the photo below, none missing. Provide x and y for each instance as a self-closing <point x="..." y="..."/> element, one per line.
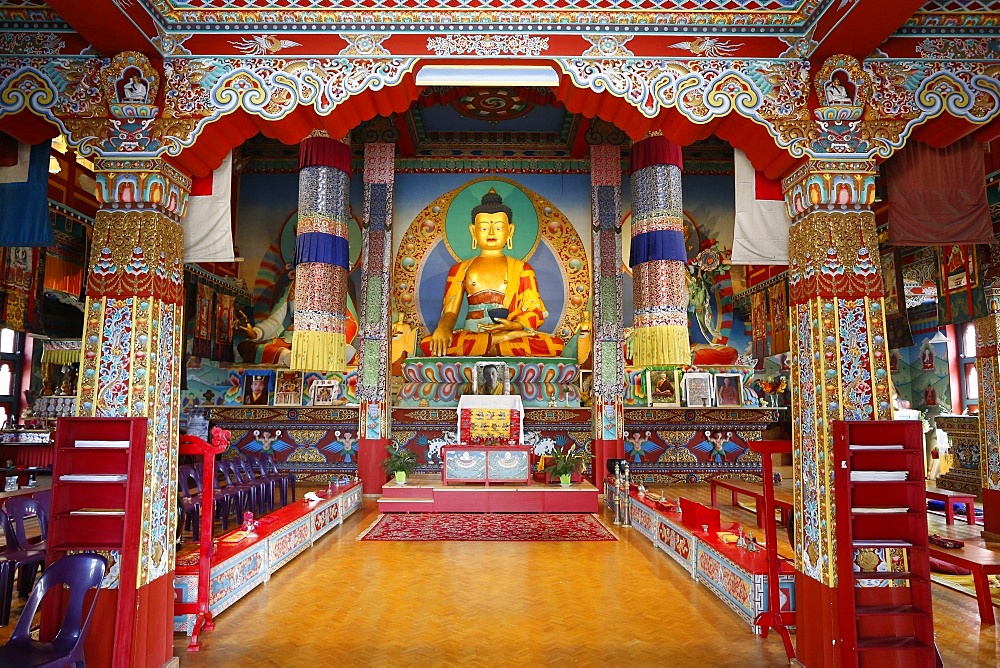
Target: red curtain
<point x="937" y="197"/>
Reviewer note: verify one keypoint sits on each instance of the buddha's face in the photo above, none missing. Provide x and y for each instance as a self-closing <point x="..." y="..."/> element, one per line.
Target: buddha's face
<point x="491" y="230"/>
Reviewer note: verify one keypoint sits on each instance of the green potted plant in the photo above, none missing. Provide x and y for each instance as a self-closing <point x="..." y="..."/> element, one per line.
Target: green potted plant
<point x="564" y="463"/>
<point x="400" y="462"/>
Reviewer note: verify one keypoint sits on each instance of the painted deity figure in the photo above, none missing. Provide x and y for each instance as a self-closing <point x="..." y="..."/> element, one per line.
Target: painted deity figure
<point x="836" y="93"/>
<point x="270" y="340"/>
<point x="135" y="90"/>
<point x="505" y="308"/>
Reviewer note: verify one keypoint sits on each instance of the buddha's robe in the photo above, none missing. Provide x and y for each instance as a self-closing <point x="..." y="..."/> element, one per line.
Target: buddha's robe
<point x="523" y="303"/>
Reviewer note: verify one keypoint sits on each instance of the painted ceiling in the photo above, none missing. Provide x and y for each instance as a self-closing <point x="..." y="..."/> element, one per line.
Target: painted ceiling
<point x="756" y="37"/>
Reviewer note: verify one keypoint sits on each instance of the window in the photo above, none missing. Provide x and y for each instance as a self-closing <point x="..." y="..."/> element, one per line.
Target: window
<point x="8" y="337"/>
<point x="11" y="348"/>
<point x="969" y="385"/>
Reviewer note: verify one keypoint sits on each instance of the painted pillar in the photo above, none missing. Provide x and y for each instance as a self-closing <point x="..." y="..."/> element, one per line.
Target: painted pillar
<point x="988" y="366"/>
<point x="322" y="260"/>
<point x="839" y="364"/>
<point x="375" y="308"/>
<point x="658" y="255"/>
<point x="132" y="342"/>
<point x="608" y="338"/>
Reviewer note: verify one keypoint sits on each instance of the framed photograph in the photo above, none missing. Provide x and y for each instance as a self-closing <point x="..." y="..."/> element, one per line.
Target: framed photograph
<point x="490" y="378"/>
<point x="698" y="390"/>
<point x="324" y="392"/>
<point x="257" y="387"/>
<point x="728" y="389"/>
<point x="288" y="388"/>
<point x="664" y="388"/>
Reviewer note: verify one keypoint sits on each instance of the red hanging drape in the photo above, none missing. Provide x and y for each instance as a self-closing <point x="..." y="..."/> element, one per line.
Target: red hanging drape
<point x="937" y="197"/>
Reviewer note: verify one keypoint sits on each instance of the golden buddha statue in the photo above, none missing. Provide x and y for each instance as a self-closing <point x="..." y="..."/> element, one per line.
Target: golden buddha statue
<point x="504" y="305"/>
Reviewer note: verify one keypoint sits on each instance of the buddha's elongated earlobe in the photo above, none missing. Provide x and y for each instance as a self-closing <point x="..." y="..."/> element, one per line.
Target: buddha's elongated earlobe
<point x="475" y="245"/>
<point x="510" y="239"/>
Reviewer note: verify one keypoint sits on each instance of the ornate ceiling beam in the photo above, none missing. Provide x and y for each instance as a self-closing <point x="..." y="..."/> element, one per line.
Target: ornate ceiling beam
<point x="858" y="27"/>
<point x="108" y="27"/>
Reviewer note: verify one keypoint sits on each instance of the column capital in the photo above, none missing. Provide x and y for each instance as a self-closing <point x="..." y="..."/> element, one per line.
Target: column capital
<point x="841" y="184"/>
<point x="142" y="182"/>
<point x="603" y="132"/>
<point x="379" y="129"/>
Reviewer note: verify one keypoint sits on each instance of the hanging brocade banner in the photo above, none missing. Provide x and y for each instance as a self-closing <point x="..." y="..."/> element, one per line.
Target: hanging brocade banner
<point x="21" y="283"/>
<point x="897" y="323"/>
<point x="960" y="292"/>
<point x="777" y="297"/>
<point x="204" y="297"/>
<point x="223" y="342"/>
<point x="658" y="255"/>
<point x="319" y="341"/>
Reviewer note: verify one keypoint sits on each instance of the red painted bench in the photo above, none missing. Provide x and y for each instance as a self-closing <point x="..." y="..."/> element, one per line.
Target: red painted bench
<point x="950" y="496"/>
<point x="983" y="563"/>
<point x="756" y="492"/>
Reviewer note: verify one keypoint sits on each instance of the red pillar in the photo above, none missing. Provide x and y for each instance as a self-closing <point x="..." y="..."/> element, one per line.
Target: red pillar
<point x="371" y="452"/>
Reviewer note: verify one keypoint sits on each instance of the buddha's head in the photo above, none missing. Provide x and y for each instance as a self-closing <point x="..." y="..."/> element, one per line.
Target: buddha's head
<point x="492" y="225"/>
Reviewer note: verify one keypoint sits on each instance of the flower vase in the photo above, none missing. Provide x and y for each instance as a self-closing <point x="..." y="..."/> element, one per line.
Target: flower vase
<point x="564" y="479"/>
<point x="400" y="477"/>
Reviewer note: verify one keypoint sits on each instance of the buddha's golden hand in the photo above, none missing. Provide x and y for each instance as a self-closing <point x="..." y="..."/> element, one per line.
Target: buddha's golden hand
<point x="502" y="325"/>
<point x="248" y="331"/>
<point x="440" y="340"/>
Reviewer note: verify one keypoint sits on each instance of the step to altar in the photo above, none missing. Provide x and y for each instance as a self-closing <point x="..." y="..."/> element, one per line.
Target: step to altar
<point x="429" y="494"/>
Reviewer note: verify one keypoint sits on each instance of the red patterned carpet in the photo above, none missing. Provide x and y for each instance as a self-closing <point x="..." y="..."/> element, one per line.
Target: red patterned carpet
<point x="488" y="526"/>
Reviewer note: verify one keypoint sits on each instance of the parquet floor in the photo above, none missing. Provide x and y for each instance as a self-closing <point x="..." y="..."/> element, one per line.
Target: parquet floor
<point x="372" y="603"/>
<point x="511" y="604"/>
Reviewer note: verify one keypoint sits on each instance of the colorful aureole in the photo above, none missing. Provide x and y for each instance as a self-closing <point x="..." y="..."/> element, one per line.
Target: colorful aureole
<point x="547" y="282"/>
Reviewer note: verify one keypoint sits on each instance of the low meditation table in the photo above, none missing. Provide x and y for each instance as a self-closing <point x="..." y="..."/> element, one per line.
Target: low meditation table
<point x="983" y="563"/>
<point x="949" y="497"/>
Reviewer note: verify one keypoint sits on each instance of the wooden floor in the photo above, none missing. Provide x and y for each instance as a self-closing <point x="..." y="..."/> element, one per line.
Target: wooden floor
<point x="512" y="604"/>
<point x="354" y="603"/>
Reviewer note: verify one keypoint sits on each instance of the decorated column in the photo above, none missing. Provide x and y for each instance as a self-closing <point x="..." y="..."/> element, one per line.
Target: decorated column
<point x="321" y="256"/>
<point x="658" y="256"/>
<point x="608" y="351"/>
<point x="839" y="367"/>
<point x="988" y="366"/>
<point x="132" y="333"/>
<point x="376" y="282"/>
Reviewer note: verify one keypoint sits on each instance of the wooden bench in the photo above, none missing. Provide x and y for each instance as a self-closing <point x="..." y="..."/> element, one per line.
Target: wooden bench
<point x="756" y="492"/>
<point x="950" y="496"/>
<point x="983" y="563"/>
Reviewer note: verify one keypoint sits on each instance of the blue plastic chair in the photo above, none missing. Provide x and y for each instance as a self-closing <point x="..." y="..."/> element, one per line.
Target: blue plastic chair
<point x="26" y="560"/>
<point x="81" y="573"/>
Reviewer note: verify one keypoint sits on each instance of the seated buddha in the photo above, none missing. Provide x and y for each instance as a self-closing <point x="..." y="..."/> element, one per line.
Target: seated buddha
<point x="505" y="308"/>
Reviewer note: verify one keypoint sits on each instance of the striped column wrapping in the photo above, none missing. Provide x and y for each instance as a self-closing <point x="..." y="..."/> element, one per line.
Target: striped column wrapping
<point x="321" y="256"/>
<point x="376" y="253"/>
<point x="658" y="255"/>
<point x="608" y="354"/>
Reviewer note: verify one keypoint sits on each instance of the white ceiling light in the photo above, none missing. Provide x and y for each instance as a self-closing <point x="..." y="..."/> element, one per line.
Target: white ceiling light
<point x="939" y="337"/>
<point x="487" y="76"/>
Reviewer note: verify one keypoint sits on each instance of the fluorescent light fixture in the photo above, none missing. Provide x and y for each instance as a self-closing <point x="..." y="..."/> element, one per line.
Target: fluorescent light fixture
<point x="487" y="75"/>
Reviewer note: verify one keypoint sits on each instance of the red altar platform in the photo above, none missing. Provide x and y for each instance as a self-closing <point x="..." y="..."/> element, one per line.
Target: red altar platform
<point x="429" y="494"/>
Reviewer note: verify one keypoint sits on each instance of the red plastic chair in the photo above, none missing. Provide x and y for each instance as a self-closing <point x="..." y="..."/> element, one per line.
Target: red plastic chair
<point x="81" y="573"/>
